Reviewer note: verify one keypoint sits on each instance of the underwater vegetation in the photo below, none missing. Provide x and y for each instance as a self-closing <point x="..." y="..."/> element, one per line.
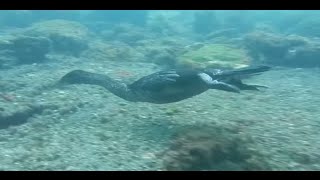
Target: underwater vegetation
<point x="212" y="148"/>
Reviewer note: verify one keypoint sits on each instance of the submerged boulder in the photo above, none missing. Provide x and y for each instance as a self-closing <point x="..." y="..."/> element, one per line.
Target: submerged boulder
<point x="31" y="49"/>
<point x="67" y="37"/>
<point x="277" y="49"/>
<point x="23" y="50"/>
<point x="104" y="51"/>
<point x="32" y="44"/>
<point x="163" y="51"/>
<point x="209" y="148"/>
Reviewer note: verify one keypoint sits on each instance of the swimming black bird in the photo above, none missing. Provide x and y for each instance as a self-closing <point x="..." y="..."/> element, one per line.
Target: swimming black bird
<point x="171" y="85"/>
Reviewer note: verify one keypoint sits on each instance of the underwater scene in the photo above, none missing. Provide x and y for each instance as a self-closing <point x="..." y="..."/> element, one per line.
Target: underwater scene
<point x="159" y="90"/>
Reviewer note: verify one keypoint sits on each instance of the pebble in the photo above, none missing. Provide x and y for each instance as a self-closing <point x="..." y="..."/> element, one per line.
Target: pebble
<point x="142" y="117"/>
<point x="61" y="92"/>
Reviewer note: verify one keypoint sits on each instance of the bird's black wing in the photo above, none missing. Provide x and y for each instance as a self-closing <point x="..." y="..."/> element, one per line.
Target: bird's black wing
<point x="159" y="80"/>
<point x="156" y="81"/>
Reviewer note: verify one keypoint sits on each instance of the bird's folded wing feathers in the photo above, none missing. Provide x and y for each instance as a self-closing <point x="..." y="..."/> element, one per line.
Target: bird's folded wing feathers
<point x="157" y="80"/>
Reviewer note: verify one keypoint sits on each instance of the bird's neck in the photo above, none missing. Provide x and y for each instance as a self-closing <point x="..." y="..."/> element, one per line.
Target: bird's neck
<point x="115" y="87"/>
<point x="118" y="88"/>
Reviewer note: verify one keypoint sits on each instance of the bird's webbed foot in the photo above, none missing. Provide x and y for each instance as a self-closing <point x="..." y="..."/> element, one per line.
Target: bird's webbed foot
<point x="223" y="86"/>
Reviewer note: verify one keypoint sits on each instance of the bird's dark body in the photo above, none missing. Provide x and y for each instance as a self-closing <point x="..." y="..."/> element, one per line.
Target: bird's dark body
<point x="160" y="91"/>
<point x="171" y="85"/>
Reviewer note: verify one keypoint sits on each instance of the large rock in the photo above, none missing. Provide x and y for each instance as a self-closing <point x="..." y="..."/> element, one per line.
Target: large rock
<point x="23" y="50"/>
<point x="277" y="49"/>
<point x="13" y="115"/>
<point x="31" y="49"/>
<point x="67" y="37"/>
<point x="163" y="51"/>
<point x="116" y="51"/>
<point x="209" y="148"/>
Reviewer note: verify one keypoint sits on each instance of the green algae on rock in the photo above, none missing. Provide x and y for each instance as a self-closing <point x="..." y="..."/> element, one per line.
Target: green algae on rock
<point x="215" y="55"/>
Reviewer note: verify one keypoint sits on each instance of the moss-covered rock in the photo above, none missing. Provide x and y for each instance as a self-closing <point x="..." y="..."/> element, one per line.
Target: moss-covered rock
<point x="215" y="55"/>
